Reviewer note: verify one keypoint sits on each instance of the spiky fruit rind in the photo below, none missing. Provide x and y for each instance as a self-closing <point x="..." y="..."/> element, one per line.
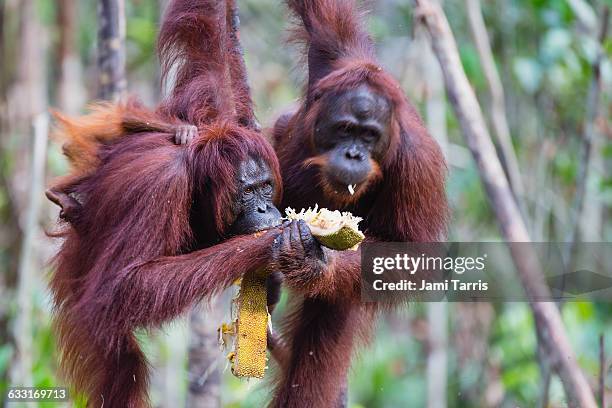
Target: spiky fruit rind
<point x="251" y="330"/>
<point x="345" y="238"/>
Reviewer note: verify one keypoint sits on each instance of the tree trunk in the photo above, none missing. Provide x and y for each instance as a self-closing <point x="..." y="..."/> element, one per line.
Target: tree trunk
<point x="70" y="95"/>
<point x="21" y="369"/>
<point x="437" y="312"/>
<point x="112" y="84"/>
<point x="2" y="57"/>
<point x="204" y="356"/>
<point x="24" y="86"/>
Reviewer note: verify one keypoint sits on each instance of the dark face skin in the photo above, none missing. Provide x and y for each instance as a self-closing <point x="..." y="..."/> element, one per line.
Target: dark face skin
<point x="255" y="210"/>
<point x="353" y="128"/>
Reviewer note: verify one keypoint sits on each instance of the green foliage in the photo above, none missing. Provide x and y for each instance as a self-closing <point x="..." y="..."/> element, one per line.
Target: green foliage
<point x="6" y="353"/>
<point x="87" y="34"/>
<point x="565" y="168"/>
<point x="471" y="64"/>
<point x="141" y="34"/>
<point x="388" y="372"/>
<point x="378" y="27"/>
<point x="514" y="342"/>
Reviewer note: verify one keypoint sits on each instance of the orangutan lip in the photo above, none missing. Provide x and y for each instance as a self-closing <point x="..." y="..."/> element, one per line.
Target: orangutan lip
<point x="277" y="223"/>
<point x="269" y="227"/>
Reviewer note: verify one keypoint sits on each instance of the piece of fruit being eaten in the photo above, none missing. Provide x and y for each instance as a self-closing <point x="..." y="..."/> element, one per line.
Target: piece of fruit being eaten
<point x="333" y="229"/>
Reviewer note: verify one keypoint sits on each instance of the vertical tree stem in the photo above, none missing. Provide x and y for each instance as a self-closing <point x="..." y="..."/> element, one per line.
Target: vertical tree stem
<point x="70" y="95"/>
<point x="112" y="84"/>
<point x="437" y="312"/>
<point x="593" y="108"/>
<point x="204" y="356"/>
<point x="240" y="83"/>
<point x="21" y="374"/>
<point x="602" y="371"/>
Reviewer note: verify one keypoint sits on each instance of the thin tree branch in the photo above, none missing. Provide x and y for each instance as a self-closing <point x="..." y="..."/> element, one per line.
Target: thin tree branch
<point x="469" y="114"/>
<point x="437" y="312"/>
<point x="602" y="371"/>
<point x="2" y="56"/>
<point x="437" y="358"/>
<point x="240" y="83"/>
<point x="584" y="163"/>
<point x="498" y="103"/>
<point x="545" y="374"/>
<point x="593" y="110"/>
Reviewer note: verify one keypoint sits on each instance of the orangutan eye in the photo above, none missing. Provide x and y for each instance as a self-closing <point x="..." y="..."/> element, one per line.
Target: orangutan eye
<point x="370" y="136"/>
<point x="343" y="130"/>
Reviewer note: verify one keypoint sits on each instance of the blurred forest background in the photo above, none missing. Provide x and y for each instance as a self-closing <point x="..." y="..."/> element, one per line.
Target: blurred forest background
<point x="461" y="355"/>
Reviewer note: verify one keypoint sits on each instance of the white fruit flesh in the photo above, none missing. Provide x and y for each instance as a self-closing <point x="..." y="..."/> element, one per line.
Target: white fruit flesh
<point x="327" y="225"/>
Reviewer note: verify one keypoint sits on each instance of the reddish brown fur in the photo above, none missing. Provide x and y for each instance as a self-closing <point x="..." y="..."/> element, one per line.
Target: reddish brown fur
<point x="106" y="122"/>
<point x="138" y="252"/>
<point x="84" y="136"/>
<point x="406" y="202"/>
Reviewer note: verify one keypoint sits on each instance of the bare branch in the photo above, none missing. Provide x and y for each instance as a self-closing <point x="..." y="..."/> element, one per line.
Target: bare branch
<point x="593" y="110"/>
<point x="585" y="15"/>
<point x="437" y="358"/>
<point x="602" y="371"/>
<point x="498" y="103"/>
<point x="238" y="71"/>
<point x="437" y="312"/>
<point x="547" y="318"/>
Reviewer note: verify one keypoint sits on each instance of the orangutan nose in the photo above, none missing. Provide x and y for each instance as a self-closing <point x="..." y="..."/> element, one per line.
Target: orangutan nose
<point x="353" y="153"/>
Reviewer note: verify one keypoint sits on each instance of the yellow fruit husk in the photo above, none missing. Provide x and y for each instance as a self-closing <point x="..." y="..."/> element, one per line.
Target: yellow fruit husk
<point x="341" y="240"/>
<point x="333" y="229"/>
<point x="250" y="358"/>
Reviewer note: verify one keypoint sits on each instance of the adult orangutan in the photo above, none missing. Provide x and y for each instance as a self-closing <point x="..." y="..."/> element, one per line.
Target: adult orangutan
<point x="355" y="144"/>
<point x="155" y="227"/>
